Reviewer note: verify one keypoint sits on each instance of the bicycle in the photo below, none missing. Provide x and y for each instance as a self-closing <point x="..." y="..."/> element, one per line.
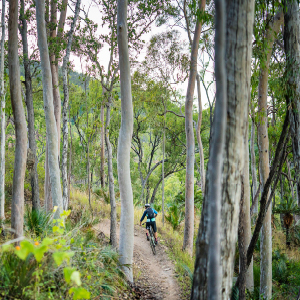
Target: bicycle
<point x="152" y="239"/>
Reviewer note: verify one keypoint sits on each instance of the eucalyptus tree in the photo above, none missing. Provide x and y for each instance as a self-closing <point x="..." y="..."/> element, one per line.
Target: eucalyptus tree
<point x="2" y="114"/>
<point x="124" y="145"/>
<point x="190" y="139"/>
<point x="66" y="106"/>
<point x="149" y="98"/>
<point x="291" y="44"/>
<point x="17" y="207"/>
<point x="272" y="28"/>
<point x="52" y="141"/>
<point x="29" y="103"/>
<point x="90" y="43"/>
<point x="55" y="30"/>
<point x="239" y="28"/>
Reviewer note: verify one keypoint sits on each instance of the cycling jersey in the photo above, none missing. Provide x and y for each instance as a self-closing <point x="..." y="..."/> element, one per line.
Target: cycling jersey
<point x="145" y="214"/>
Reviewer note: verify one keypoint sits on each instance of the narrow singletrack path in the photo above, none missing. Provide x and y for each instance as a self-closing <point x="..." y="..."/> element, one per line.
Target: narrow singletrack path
<point x="155" y="273"/>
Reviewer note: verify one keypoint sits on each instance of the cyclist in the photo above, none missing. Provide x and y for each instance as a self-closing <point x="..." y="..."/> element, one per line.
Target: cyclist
<point x="150" y="213"/>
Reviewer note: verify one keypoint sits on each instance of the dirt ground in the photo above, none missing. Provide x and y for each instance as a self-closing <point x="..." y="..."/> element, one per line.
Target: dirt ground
<point x="153" y="274"/>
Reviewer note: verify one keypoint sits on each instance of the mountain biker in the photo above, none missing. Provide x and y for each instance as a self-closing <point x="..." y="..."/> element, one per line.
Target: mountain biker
<point x="150" y="213"/>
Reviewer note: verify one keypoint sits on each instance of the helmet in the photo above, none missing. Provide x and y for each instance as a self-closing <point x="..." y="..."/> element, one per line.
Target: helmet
<point x="147" y="205"/>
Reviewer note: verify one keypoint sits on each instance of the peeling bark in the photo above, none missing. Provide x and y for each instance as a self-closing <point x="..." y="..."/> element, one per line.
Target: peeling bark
<point x="240" y="15"/>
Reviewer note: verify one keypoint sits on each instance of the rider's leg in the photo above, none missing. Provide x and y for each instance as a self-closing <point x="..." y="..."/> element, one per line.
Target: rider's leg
<point x="147" y="234"/>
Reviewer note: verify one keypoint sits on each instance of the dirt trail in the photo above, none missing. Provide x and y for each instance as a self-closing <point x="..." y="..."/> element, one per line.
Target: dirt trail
<point x="155" y="273"/>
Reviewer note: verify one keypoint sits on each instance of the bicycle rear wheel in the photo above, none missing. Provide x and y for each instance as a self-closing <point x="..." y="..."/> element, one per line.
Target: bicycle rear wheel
<point x="152" y="241"/>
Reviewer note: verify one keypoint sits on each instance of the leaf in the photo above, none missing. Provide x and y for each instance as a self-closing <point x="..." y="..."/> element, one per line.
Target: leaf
<point x="25" y="249"/>
<point x="39" y="252"/>
<point x="60" y="257"/>
<point x="76" y="277"/>
<point x="68" y="273"/>
<point x="47" y="241"/>
<point x="80" y="293"/>
<point x="7" y="247"/>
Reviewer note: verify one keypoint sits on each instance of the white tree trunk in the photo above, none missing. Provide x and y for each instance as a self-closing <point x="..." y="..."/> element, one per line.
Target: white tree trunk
<point x="190" y="141"/>
<point x="55" y="32"/>
<point x="113" y="211"/>
<point x="17" y="206"/>
<point x="102" y="175"/>
<point x="124" y="145"/>
<point x="263" y="143"/>
<point x="51" y="129"/>
<point x="2" y="114"/>
<point x="64" y="166"/>
<point x="198" y="132"/>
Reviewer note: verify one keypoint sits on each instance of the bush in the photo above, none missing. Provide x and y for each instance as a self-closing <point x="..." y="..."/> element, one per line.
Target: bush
<point x="62" y="265"/>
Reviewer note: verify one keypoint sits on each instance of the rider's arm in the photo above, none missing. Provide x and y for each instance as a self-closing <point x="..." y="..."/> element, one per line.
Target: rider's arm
<point x="143" y="217"/>
<point x="156" y="213"/>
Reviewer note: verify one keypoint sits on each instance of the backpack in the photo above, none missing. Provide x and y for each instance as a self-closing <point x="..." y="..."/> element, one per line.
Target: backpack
<point x="150" y="213"/>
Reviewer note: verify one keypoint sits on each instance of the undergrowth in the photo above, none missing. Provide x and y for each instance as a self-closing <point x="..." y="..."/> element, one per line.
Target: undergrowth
<point x="62" y="260"/>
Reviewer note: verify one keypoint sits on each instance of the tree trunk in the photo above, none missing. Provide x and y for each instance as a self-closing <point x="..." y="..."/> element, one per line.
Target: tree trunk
<point x="2" y="114"/>
<point x="198" y="132"/>
<point x="253" y="166"/>
<point x="163" y="169"/>
<point x="65" y="108"/>
<point x="51" y="129"/>
<point x="70" y="159"/>
<point x="263" y="142"/>
<point x="190" y="141"/>
<point x="216" y="159"/>
<point x="30" y="112"/>
<point x="245" y="234"/>
<point x="17" y="203"/>
<point x="239" y="24"/>
<point x="113" y="211"/>
<point x="54" y="33"/>
<point x="124" y="145"/>
<point x="242" y="248"/>
<point x="292" y="48"/>
<point x="102" y="175"/>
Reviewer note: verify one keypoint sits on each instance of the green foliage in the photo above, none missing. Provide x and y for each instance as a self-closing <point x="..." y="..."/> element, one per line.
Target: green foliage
<point x="37" y="221"/>
<point x="36" y="269"/>
<point x="286" y="273"/>
<point x="175" y="215"/>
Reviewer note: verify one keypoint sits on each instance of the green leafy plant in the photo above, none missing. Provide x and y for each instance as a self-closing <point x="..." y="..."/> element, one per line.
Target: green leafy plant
<point x="175" y="215"/>
<point x="37" y="221"/>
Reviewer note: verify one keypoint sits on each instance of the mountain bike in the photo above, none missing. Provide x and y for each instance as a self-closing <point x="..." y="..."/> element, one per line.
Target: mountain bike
<point x="152" y="239"/>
